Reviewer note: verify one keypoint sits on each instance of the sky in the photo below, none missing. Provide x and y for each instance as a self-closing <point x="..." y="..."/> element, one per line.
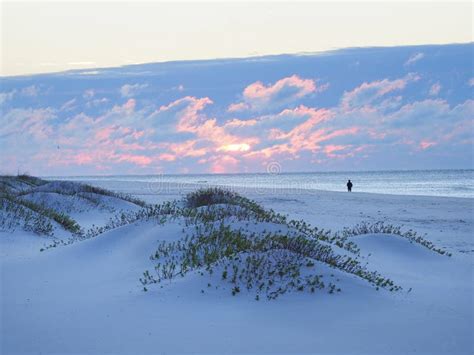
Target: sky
<point x="386" y="108"/>
<point x="40" y="37"/>
<point x="101" y="88"/>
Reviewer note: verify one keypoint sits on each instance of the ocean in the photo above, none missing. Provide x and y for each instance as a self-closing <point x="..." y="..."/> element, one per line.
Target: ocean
<point x="450" y="183"/>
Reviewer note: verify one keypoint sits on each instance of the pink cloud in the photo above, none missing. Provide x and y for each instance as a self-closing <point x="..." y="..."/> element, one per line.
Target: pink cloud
<point x="211" y="139"/>
<point x="315" y="117"/>
<point x="435" y="89"/>
<point x="83" y="158"/>
<point x="186" y="111"/>
<point x="334" y="148"/>
<point x="240" y="123"/>
<point x="308" y="119"/>
<point x="187" y="149"/>
<point x="240" y="106"/>
<point x="258" y="96"/>
<point x="258" y="91"/>
<point x="136" y="159"/>
<point x="425" y="144"/>
<point x="182" y="133"/>
<point x="104" y="133"/>
<point x="224" y="164"/>
<point x="293" y="131"/>
<point x="129" y="106"/>
<point x="167" y="157"/>
<point x="34" y="123"/>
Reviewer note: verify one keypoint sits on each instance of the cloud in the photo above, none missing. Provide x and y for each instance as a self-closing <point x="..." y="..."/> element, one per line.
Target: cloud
<point x="69" y="105"/>
<point x="208" y="137"/>
<point x="435" y="89"/>
<point x="424" y="124"/>
<point x="88" y="94"/>
<point x="258" y="96"/>
<point x="368" y="93"/>
<point x="240" y="106"/>
<point x="424" y="144"/>
<point x="283" y="122"/>
<point x="181" y="134"/>
<point x="131" y="90"/>
<point x="89" y="72"/>
<point x="33" y="123"/>
<point x="84" y="132"/>
<point x="96" y="102"/>
<point x="6" y="96"/>
<point x="179" y="88"/>
<point x="182" y="115"/>
<point x="135" y="159"/>
<point x="414" y="58"/>
<point x="30" y="91"/>
<point x="129" y="106"/>
<point x="430" y="111"/>
<point x="471" y="82"/>
<point x="235" y="147"/>
<point x="222" y="164"/>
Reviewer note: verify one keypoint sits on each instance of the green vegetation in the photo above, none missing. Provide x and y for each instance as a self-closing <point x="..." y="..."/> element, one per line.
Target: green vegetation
<point x="220" y="239"/>
<point x="88" y="192"/>
<point x="269" y="263"/>
<point x="10" y="182"/>
<point x="23" y="205"/>
<point x="389" y="229"/>
<point x="215" y="195"/>
<point x="229" y="237"/>
<point x="14" y="215"/>
<point x="18" y="211"/>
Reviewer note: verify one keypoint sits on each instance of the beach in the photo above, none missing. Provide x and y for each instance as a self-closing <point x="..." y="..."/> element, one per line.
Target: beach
<point x="231" y="177"/>
<point x="447" y="221"/>
<point x="86" y="297"/>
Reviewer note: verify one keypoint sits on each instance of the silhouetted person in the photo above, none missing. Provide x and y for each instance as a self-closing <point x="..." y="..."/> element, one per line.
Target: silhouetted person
<point x="349" y="186"/>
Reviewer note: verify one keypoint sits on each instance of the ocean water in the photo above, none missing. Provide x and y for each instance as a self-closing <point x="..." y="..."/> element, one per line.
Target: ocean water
<point x="450" y="183"/>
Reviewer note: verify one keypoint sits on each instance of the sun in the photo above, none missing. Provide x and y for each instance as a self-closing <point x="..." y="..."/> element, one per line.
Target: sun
<point x="236" y="147"/>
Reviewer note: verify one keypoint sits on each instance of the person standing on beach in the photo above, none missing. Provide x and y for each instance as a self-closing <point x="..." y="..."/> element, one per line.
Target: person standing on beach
<point x="349" y="185"/>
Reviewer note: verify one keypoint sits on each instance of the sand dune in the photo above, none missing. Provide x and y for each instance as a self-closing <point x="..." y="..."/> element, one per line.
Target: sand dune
<point x="86" y="297"/>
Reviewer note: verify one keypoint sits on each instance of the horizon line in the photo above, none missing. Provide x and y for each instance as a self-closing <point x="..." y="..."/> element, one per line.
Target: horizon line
<point x="250" y="173"/>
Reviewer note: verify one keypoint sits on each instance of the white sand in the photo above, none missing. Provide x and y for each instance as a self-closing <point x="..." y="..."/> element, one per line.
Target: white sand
<point x="447" y="221"/>
<point x="86" y="298"/>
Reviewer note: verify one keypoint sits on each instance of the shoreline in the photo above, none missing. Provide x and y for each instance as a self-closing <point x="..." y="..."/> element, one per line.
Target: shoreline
<point x="168" y="187"/>
<point x="447" y="221"/>
<point x="436" y="183"/>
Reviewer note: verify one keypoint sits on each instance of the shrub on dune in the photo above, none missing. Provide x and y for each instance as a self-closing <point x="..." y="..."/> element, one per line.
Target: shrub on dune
<point x="223" y="236"/>
<point x="14" y="215"/>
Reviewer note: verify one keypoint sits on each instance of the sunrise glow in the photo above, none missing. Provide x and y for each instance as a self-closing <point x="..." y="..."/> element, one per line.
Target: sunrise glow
<point x="237" y="147"/>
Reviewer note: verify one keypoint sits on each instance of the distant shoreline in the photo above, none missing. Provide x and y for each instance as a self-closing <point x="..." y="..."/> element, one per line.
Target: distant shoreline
<point x="257" y="173"/>
<point x="430" y="183"/>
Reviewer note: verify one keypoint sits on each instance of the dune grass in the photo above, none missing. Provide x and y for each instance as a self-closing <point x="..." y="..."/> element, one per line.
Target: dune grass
<point x="36" y="216"/>
<point x="14" y="215"/>
<point x="62" y="219"/>
<point x="221" y="237"/>
<point x="267" y="263"/>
